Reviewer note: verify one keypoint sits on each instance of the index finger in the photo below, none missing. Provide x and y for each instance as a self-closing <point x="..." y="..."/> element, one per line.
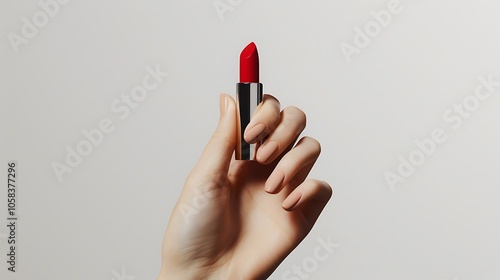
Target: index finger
<point x="264" y="121"/>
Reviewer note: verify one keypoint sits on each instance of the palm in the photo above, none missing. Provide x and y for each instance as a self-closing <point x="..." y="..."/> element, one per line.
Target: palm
<point x="258" y="232"/>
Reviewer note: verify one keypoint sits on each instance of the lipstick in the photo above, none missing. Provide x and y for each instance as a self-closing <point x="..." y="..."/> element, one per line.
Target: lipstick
<point x="248" y="97"/>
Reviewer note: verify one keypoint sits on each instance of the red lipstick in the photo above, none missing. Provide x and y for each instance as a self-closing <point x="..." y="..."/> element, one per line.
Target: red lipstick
<point x="249" y="64"/>
<point x="248" y="97"/>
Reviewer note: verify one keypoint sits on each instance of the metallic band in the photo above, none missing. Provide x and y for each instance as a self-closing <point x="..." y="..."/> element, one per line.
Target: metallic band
<point x="248" y="97"/>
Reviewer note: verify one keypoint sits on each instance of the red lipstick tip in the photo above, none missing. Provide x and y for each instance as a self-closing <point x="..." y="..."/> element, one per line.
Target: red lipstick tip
<point x="249" y="64"/>
<point x="249" y="50"/>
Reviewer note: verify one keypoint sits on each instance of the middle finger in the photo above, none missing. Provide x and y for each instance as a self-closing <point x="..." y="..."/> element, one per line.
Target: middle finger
<point x="292" y="123"/>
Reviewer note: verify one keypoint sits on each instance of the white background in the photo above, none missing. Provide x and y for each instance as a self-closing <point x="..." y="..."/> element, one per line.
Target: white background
<point x="106" y="219"/>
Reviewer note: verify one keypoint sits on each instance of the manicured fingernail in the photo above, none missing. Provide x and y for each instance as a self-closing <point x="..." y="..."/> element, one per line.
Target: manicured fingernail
<point x="253" y="133"/>
<point x="292" y="200"/>
<point x="267" y="151"/>
<point x="274" y="182"/>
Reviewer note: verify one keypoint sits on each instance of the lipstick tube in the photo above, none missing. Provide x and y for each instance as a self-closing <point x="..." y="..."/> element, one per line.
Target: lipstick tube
<point x="248" y="97"/>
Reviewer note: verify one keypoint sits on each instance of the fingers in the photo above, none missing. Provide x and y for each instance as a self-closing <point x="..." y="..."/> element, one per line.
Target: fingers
<point x="303" y="155"/>
<point x="266" y="118"/>
<point x="311" y="196"/>
<point x="218" y="152"/>
<point x="292" y="122"/>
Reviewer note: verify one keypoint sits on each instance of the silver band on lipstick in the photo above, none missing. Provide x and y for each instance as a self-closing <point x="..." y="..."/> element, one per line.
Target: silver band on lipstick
<point x="248" y="97"/>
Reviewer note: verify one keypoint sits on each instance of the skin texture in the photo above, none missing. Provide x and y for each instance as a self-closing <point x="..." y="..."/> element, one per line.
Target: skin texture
<point x="240" y="219"/>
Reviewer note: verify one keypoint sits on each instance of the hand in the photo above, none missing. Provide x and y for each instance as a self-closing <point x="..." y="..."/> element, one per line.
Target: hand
<point x="240" y="219"/>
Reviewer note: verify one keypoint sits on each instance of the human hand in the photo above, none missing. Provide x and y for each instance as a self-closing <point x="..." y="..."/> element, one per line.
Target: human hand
<point x="240" y="219"/>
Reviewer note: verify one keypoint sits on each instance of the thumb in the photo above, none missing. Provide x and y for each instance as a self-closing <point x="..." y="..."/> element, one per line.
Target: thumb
<point x="217" y="154"/>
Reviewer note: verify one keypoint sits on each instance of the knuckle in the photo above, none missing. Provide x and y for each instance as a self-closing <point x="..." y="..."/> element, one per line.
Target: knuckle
<point x="296" y="115"/>
<point x="320" y="186"/>
<point x="314" y="144"/>
<point x="271" y="97"/>
<point x="328" y="188"/>
<point x="270" y="116"/>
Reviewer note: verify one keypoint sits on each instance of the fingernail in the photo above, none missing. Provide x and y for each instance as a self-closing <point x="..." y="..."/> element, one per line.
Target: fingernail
<point x="267" y="151"/>
<point x="253" y="133"/>
<point x="292" y="200"/>
<point x="275" y="181"/>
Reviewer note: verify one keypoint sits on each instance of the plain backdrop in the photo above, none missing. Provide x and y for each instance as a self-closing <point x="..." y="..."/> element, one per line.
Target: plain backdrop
<point x="106" y="219"/>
